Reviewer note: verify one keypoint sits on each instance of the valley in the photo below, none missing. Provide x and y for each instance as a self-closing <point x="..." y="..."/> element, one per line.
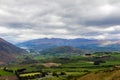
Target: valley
<point x="58" y="63"/>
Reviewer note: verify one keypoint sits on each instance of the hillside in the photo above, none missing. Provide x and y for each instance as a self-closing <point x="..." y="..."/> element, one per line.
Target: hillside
<point x="63" y="50"/>
<point x="8" y="51"/>
<point x="87" y="44"/>
<point x="103" y="75"/>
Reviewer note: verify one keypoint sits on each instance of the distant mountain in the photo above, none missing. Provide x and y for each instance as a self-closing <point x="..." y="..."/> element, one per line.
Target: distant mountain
<point x="87" y="44"/>
<point x="8" y="51"/>
<point x="45" y="43"/>
<point x="63" y="50"/>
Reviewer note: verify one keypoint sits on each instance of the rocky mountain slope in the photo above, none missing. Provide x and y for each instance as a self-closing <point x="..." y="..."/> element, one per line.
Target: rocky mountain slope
<point x="8" y="51"/>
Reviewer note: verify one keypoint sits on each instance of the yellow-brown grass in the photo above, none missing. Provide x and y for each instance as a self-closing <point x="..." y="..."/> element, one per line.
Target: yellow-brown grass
<point x="102" y="75"/>
<point x="51" y="64"/>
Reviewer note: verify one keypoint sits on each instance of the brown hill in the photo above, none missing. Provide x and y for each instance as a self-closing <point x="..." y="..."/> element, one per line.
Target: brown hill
<point x="8" y="51"/>
<point x="113" y="74"/>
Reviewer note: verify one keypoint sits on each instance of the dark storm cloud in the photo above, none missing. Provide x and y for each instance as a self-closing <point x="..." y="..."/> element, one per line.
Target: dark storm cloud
<point x="59" y="18"/>
<point x="104" y="22"/>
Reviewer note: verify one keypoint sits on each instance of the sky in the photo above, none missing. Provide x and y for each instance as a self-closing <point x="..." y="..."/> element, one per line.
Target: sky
<point x="22" y="20"/>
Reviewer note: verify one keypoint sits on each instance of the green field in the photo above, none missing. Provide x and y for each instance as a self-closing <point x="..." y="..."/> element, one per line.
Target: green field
<point x="4" y="73"/>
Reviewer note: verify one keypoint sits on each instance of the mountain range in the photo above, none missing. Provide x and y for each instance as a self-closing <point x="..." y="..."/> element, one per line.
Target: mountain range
<point x="87" y="44"/>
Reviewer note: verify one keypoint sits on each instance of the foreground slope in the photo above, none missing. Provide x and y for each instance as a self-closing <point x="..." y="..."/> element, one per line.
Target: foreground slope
<point x="113" y="74"/>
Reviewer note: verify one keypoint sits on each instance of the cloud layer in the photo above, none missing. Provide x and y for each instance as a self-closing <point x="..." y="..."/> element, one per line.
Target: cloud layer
<point x="22" y="20"/>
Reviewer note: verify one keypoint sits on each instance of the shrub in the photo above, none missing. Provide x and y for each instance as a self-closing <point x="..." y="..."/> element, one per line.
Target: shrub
<point x="55" y="74"/>
<point x="62" y="73"/>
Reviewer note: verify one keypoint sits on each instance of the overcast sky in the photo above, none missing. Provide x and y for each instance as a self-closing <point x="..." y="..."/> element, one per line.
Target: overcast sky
<point x="22" y="20"/>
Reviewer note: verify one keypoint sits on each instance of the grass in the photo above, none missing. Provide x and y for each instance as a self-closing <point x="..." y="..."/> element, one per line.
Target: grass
<point x="27" y="66"/>
<point x="4" y="73"/>
<point x="102" y="75"/>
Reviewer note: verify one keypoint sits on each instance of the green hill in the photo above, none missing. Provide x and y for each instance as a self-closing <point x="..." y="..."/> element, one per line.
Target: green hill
<point x="63" y="50"/>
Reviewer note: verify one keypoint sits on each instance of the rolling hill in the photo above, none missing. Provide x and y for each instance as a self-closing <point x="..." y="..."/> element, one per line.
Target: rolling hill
<point x="8" y="51"/>
<point x="63" y="50"/>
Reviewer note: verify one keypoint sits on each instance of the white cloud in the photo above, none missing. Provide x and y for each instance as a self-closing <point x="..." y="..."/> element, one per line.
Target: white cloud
<point x="107" y="9"/>
<point x="61" y="31"/>
<point x="4" y="30"/>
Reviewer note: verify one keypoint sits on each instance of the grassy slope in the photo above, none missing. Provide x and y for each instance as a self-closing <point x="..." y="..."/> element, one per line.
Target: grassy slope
<point x="102" y="75"/>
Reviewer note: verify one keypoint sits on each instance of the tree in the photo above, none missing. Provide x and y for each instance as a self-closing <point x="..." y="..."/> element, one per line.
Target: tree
<point x="96" y="62"/>
<point x="55" y="74"/>
<point x="62" y="73"/>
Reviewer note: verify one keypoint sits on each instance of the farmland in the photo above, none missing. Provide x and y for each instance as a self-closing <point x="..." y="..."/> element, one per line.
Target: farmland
<point x="72" y="67"/>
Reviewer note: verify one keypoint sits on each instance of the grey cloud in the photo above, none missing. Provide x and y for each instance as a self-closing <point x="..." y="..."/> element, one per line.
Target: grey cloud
<point x="104" y="22"/>
<point x="63" y="18"/>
